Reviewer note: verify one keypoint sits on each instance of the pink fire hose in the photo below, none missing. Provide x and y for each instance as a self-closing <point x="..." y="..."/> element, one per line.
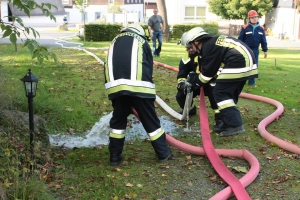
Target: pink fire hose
<point x="225" y="174"/>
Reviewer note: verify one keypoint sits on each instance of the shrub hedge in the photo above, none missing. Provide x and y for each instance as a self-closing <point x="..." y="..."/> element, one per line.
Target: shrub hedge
<point x="106" y="32"/>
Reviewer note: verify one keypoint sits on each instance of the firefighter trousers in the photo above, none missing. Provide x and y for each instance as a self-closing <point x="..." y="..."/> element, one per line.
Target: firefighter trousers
<point x="226" y="94"/>
<point x="145" y="108"/>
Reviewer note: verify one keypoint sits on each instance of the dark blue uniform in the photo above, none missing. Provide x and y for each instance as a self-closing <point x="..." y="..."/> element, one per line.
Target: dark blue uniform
<point x="254" y="36"/>
<point x="231" y="63"/>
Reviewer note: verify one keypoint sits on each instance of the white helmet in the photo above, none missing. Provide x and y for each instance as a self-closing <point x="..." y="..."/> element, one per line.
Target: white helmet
<point x="182" y="40"/>
<point x="136" y="28"/>
<point x="192" y="35"/>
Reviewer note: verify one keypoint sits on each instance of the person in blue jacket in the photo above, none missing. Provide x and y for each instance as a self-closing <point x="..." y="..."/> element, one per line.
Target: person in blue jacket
<point x="253" y="34"/>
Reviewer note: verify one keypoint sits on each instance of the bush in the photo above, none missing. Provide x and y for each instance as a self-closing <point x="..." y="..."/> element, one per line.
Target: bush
<point x="101" y="32"/>
<point x="178" y="29"/>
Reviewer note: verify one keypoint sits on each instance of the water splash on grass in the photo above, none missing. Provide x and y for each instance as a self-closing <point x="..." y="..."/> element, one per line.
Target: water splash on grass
<point x="98" y="135"/>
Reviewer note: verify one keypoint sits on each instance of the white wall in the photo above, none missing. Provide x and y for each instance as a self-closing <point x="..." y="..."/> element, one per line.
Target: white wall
<point x="4" y="10"/>
<point x="75" y="17"/>
<point x="176" y="13"/>
<point x="283" y="20"/>
<point x="134" y="14"/>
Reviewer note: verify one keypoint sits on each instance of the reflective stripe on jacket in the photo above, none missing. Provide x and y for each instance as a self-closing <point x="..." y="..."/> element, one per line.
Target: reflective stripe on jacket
<point x="226" y="59"/>
<point x="129" y="71"/>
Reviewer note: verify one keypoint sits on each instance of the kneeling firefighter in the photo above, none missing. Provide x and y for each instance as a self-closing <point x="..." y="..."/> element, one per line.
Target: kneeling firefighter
<point x="231" y="63"/>
<point x="191" y="63"/>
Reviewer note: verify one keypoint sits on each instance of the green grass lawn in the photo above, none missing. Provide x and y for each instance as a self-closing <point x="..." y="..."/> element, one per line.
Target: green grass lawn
<point x="71" y="98"/>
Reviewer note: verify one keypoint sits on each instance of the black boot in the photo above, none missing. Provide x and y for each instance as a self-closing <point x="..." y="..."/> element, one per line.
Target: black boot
<point x="218" y="123"/>
<point x="218" y="126"/>
<point x="115" y="148"/>
<point x="115" y="159"/>
<point x="161" y="148"/>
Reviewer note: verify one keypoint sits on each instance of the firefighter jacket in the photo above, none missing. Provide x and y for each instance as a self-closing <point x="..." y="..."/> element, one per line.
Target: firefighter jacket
<point x="226" y="59"/>
<point x="188" y="64"/>
<point x="129" y="67"/>
<point x="254" y="36"/>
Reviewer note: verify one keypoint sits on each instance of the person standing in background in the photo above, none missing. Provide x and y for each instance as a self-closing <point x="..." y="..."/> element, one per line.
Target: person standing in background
<point x="65" y="19"/>
<point x="156" y="29"/>
<point x="253" y="34"/>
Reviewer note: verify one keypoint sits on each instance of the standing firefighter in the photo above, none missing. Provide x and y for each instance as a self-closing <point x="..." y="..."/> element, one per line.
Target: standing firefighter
<point x="128" y="75"/>
<point x="231" y="63"/>
<point x="253" y="34"/>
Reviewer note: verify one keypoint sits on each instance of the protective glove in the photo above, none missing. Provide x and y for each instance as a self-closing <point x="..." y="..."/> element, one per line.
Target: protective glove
<point x="181" y="85"/>
<point x="184" y="86"/>
<point x="193" y="79"/>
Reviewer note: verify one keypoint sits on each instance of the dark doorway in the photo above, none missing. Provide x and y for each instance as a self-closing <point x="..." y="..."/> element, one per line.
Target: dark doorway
<point x="9" y="13"/>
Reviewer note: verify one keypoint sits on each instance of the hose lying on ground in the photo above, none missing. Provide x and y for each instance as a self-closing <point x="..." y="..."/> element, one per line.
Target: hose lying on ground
<point x="243" y="154"/>
<point x="254" y="170"/>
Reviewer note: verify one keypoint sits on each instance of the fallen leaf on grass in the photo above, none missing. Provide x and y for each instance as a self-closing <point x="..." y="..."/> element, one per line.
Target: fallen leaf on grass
<point x="117" y="169"/>
<point x="69" y="109"/>
<point x="57" y="186"/>
<point x="90" y="179"/>
<point x="188" y="157"/>
<point x="126" y="174"/>
<point x="213" y="178"/>
<point x="164" y="166"/>
<point x="240" y="169"/>
<point x="128" y="185"/>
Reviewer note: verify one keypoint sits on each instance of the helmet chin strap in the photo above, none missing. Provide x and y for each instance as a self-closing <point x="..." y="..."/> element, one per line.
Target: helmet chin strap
<point x="198" y="50"/>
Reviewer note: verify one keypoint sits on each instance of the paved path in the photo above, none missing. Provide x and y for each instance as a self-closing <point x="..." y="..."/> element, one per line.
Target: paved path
<point x="276" y="43"/>
<point x="48" y="36"/>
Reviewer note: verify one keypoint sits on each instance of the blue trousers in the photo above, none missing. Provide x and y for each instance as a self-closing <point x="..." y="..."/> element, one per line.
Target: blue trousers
<point x="157" y="35"/>
<point x="251" y="81"/>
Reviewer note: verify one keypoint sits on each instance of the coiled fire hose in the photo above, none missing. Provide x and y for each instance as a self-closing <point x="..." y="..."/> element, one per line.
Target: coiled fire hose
<point x="248" y="178"/>
<point x="236" y="185"/>
<point x="243" y="154"/>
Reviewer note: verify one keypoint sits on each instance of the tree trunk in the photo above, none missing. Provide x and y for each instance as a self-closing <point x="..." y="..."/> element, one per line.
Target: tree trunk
<point x="161" y="6"/>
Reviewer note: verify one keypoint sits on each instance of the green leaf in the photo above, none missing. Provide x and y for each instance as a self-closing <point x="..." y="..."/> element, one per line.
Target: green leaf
<point x="31" y="4"/>
<point x="6" y="33"/>
<point x="20" y="21"/>
<point x="13" y="38"/>
<point x="27" y="11"/>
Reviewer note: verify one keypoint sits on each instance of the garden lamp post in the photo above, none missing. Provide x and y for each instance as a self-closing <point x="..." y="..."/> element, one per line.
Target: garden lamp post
<point x="30" y="84"/>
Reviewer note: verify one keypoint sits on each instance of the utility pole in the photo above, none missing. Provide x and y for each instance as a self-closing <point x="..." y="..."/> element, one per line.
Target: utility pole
<point x="84" y="5"/>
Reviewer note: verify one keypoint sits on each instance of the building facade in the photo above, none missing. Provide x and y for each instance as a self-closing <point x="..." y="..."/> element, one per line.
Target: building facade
<point x="283" y="20"/>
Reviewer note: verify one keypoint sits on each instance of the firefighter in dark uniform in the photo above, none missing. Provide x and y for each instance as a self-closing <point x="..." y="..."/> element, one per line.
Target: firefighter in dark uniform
<point x="128" y="82"/>
<point x="231" y="62"/>
<point x="191" y="63"/>
<point x="253" y="34"/>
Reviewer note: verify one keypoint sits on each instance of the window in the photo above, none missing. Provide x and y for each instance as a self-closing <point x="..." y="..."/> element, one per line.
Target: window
<point x="65" y="1"/>
<point x="194" y="13"/>
<point x="111" y="1"/>
<point x="97" y="15"/>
